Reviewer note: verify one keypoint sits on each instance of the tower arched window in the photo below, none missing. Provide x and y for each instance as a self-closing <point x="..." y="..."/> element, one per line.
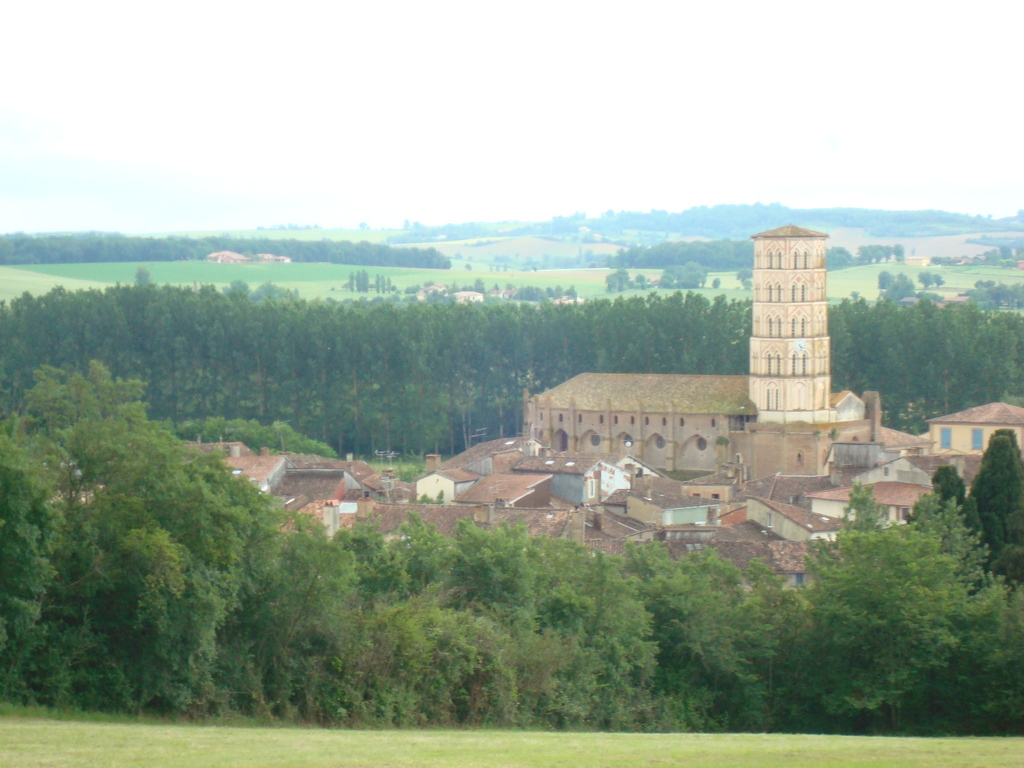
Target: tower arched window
<point x="769" y="365"/>
<point x="805" y="363"/>
<point x="778" y="292"/>
<point x="806" y="259"/>
<point x="803" y="326"/>
<point x="803" y="293"/>
<point x="793" y="366"/>
<point x="778" y="364"/>
<point x="769" y="294"/>
<point x="792" y="327"/>
<point x="792" y="293"/>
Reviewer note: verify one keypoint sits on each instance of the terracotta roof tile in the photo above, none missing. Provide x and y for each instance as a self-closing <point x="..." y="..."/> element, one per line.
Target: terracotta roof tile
<point x="789" y="231"/>
<point x="256" y="468"/>
<point x="990" y="413"/>
<point x="509" y="487"/>
<point x="789" y="489"/>
<point x="483" y="450"/>
<point x="657" y="392"/>
<point x="803" y="518"/>
<point x="313" y="484"/>
<point x="538" y="522"/>
<point x="888" y="493"/>
<point x="893" y="438"/>
<point x="719" y="478"/>
<point x="576" y="464"/>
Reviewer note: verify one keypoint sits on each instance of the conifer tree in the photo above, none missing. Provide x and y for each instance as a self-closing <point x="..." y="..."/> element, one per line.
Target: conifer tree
<point x="998" y="493"/>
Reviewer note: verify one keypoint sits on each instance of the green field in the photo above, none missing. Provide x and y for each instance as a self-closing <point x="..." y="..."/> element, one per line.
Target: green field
<point x="355" y="235"/>
<point x="34" y="742"/>
<point x="320" y="280"/>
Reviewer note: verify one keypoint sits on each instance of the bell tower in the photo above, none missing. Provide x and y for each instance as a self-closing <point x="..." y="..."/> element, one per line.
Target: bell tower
<point x="790" y="365"/>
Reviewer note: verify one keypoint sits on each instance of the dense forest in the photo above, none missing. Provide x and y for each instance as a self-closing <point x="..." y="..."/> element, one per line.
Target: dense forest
<point x="722" y="222"/>
<point x="421" y="378"/>
<point x="100" y="247"/>
<point x="138" y="575"/>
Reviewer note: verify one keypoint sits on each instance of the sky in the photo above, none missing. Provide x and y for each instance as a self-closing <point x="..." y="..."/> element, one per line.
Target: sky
<point x="152" y="117"/>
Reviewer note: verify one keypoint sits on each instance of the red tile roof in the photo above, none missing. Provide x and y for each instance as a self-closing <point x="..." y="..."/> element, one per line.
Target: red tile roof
<point x="888" y="493"/>
<point x="509" y="487"/>
<point x="803" y="518"/>
<point x="992" y="413"/>
<point x="789" y="231"/>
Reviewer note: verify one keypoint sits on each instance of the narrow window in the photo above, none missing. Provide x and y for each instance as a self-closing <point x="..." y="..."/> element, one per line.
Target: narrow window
<point x="946" y="437"/>
<point x="682" y="422"/>
<point x="799" y="459"/>
<point x="792" y="327"/>
<point x="769" y="293"/>
<point x="803" y="326"/>
<point x="805" y="260"/>
<point x="600" y="419"/>
<point x="805" y="363"/>
<point x="579" y="418"/>
<point x="803" y="293"/>
<point x="632" y="420"/>
<point x="647" y="421"/>
<point x="712" y="422"/>
<point x="976" y="443"/>
<point x="792" y="293"/>
<point x="793" y="367"/>
<point x="664" y="421"/>
<point x="559" y="418"/>
<point x="616" y="419"/>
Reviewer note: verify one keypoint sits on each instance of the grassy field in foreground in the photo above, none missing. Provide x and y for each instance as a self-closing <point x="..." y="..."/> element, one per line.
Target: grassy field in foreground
<point x="30" y="742"/>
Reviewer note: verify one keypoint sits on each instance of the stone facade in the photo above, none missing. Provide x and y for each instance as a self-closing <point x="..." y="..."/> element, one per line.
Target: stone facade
<point x="783" y="417"/>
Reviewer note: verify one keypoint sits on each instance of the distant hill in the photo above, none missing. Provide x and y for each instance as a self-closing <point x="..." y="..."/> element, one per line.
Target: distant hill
<point x="100" y="247"/>
<point x="722" y="222"/>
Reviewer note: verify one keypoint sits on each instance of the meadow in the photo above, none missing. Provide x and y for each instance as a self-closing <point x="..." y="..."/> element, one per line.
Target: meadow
<point x="322" y="280"/>
<point x="27" y="741"/>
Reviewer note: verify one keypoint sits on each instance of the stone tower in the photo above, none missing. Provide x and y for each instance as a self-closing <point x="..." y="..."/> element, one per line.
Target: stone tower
<point x="790" y="366"/>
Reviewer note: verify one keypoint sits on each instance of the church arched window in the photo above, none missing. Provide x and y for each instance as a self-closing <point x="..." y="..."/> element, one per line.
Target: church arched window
<point x="803" y="293"/>
<point x="806" y="259"/>
<point x="793" y="366"/>
<point x="792" y="327"/>
<point x="792" y="293"/>
<point x="769" y="365"/>
<point x="778" y="292"/>
<point x="769" y="296"/>
<point x="803" y="327"/>
<point x="805" y="363"/>
<point x="778" y="364"/>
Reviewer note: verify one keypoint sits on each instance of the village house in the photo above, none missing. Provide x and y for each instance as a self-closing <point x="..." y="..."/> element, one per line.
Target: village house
<point x="969" y="431"/>
<point x="578" y="478"/>
<point x="898" y="498"/>
<point x="509" y="490"/>
<point x="792" y="523"/>
<point x="228" y="257"/>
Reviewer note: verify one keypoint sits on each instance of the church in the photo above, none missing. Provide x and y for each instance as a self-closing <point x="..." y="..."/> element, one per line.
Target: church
<point x="782" y="417"/>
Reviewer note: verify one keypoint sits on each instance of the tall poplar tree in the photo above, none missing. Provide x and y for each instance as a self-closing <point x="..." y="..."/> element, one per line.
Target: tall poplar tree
<point x="998" y="493"/>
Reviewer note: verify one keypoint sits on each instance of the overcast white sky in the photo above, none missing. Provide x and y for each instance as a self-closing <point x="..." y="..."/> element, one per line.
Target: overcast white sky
<point x="192" y="115"/>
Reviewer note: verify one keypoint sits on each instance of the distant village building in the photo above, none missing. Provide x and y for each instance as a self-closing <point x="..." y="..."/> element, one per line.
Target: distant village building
<point x="228" y="257"/>
<point x="782" y="417"/>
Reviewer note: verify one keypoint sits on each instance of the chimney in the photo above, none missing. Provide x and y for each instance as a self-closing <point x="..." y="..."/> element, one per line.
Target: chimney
<point x="364" y="508"/>
<point x="330" y="515"/>
<point x="348" y="458"/>
<point x="234" y="451"/>
<point x="264" y="451"/>
<point x="483" y="514"/>
<point x="433" y="462"/>
<point x="873" y="412"/>
<point x="598" y="519"/>
<point x="578" y="526"/>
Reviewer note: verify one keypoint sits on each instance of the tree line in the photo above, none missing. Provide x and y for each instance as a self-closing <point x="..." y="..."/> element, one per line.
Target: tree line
<point x="138" y="575"/>
<point x="103" y="247"/>
<point x="421" y="378"/>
